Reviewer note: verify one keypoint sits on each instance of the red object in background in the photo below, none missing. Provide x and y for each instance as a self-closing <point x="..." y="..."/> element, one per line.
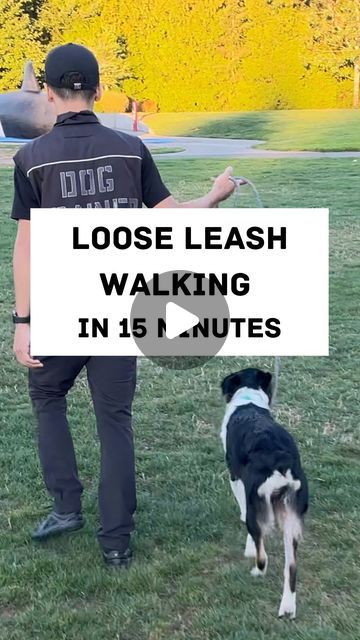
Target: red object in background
<point x="135" y="112"/>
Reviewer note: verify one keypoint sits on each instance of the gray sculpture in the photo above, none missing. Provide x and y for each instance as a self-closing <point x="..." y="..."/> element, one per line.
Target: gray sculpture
<point x="26" y="113"/>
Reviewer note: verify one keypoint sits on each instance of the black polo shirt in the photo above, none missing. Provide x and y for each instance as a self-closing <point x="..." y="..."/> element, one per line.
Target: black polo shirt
<point x="81" y="163"/>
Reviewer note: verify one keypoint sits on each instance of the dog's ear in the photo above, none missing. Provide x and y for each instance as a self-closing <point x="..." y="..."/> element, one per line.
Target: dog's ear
<point x="230" y="384"/>
<point x="264" y="381"/>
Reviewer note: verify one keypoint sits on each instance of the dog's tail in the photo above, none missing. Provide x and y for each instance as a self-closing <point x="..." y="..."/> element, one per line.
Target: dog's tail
<point x="276" y="491"/>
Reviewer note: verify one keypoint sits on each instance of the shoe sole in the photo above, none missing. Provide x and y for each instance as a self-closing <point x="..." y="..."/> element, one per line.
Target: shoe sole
<point x="54" y="534"/>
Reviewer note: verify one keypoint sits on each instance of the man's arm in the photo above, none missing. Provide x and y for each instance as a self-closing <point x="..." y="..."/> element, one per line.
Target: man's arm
<point x="21" y="270"/>
<point x="156" y="195"/>
<point x="24" y="200"/>
<point x="222" y="188"/>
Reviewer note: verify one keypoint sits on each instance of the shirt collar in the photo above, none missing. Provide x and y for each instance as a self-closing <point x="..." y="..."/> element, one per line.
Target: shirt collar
<point x="77" y="117"/>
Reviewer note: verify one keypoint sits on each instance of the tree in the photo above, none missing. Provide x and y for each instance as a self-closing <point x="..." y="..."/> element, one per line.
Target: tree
<point x="179" y="53"/>
<point x="198" y="54"/>
<point x="95" y="25"/>
<point x="223" y="54"/>
<point x="336" y="39"/>
<point x="18" y="43"/>
<point x="278" y="37"/>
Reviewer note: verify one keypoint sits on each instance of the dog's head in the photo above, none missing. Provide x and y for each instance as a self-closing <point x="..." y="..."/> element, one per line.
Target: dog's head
<point x="251" y="378"/>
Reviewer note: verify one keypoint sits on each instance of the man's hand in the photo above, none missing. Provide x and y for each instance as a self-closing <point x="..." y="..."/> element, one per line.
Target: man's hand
<point x="223" y="186"/>
<point x="21" y="347"/>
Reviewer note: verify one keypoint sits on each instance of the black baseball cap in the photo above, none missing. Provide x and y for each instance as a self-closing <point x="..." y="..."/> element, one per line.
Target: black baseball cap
<point x="72" y="58"/>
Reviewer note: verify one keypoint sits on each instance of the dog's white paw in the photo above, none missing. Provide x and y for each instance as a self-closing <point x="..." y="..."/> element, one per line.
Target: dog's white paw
<point x="288" y="606"/>
<point x="256" y="572"/>
<point x="250" y="549"/>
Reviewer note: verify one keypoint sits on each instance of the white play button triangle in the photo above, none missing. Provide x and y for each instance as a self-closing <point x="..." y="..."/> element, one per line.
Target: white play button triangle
<point x="171" y="315"/>
<point x="178" y="320"/>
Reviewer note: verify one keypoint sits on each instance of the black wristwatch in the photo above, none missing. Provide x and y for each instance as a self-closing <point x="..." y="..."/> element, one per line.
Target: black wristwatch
<point x="20" y="319"/>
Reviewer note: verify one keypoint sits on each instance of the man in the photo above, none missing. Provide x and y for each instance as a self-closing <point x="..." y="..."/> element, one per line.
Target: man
<point x="80" y="163"/>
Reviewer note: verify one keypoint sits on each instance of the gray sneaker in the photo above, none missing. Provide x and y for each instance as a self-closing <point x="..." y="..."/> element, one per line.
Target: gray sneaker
<point x="58" y="523"/>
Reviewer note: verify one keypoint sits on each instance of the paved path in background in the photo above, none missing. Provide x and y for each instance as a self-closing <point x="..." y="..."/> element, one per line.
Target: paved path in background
<point x="209" y="148"/>
<point x="229" y="148"/>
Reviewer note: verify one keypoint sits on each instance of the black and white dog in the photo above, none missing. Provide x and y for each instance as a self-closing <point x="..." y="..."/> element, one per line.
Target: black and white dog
<point x="265" y="474"/>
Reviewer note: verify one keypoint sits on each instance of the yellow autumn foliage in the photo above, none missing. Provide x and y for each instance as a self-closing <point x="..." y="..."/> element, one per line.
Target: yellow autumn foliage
<point x="18" y="43"/>
<point x="198" y="55"/>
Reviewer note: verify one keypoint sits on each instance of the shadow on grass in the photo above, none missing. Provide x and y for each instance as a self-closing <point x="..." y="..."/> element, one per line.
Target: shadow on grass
<point x="249" y="126"/>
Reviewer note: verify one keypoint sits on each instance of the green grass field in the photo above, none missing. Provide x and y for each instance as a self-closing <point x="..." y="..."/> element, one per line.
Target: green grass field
<point x="156" y="150"/>
<point x="190" y="580"/>
<point x="321" y="130"/>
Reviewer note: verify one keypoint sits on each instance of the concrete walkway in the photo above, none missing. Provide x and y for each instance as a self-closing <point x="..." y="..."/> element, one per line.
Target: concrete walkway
<point x="209" y="148"/>
<point x="229" y="148"/>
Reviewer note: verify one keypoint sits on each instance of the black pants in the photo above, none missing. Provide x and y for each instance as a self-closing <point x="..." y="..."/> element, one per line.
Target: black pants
<point x="112" y="384"/>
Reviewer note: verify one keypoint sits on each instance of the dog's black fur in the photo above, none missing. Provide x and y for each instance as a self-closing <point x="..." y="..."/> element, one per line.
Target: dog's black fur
<point x="256" y="447"/>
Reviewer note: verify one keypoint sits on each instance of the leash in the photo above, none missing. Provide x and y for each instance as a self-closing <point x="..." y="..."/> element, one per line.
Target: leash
<point x="275" y="382"/>
<point x="240" y="181"/>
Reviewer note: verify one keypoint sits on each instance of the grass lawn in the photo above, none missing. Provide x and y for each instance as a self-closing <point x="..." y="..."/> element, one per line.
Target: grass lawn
<point x="190" y="580"/>
<point x="315" y="130"/>
<point x="163" y="150"/>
